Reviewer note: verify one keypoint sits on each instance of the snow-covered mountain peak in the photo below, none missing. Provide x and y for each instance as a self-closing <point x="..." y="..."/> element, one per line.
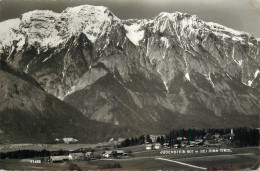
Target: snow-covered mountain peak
<point x="184" y="19"/>
<point x="49" y="29"/>
<point x="85" y="9"/>
<point x="174" y="21"/>
<point x="93" y="21"/>
<point x="219" y="27"/>
<point x="91" y="12"/>
<point x="174" y="16"/>
<point x="226" y="32"/>
<point x="39" y="27"/>
<point x="41" y="15"/>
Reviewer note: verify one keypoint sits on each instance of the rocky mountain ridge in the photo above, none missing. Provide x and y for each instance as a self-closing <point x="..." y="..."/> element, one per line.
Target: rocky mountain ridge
<point x="144" y="72"/>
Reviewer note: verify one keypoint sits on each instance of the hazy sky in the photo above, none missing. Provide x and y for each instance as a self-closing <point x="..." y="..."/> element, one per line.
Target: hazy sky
<point x="241" y="15"/>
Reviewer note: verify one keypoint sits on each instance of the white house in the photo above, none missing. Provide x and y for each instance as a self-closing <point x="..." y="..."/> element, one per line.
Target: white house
<point x="157" y="146"/>
<point x="166" y="144"/>
<point x="149" y="147"/>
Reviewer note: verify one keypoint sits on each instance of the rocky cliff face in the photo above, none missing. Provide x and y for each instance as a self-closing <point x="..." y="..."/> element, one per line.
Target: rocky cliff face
<point x="172" y="71"/>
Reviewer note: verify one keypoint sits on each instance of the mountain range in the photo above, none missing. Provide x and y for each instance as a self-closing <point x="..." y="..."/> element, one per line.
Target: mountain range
<point x="151" y="75"/>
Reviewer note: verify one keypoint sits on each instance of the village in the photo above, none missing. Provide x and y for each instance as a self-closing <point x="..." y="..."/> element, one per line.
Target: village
<point x="111" y="151"/>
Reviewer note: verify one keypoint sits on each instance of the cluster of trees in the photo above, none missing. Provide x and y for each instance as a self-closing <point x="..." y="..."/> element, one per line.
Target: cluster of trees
<point x="246" y="137"/>
<point x="242" y="136"/>
<point x="161" y="140"/>
<point x="133" y="141"/>
<point x="142" y="139"/>
<point x="21" y="154"/>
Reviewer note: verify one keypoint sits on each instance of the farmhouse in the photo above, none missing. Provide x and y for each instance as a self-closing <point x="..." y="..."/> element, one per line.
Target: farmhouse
<point x="181" y="138"/>
<point x="107" y="154"/>
<point x="157" y="146"/>
<point x="184" y="143"/>
<point x="176" y="146"/>
<point x="193" y="144"/>
<point x="154" y="137"/>
<point x="119" y="153"/>
<point x="76" y="156"/>
<point x="89" y="154"/>
<point x="211" y="144"/>
<point x="216" y="136"/>
<point x="199" y="141"/>
<point x="166" y="145"/>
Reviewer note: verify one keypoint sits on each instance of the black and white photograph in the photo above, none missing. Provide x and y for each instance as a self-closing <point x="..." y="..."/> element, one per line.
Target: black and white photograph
<point x="129" y="85"/>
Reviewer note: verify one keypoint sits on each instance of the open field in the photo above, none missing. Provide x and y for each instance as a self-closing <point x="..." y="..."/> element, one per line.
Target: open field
<point x="239" y="158"/>
<point x="86" y="165"/>
<point x="221" y="162"/>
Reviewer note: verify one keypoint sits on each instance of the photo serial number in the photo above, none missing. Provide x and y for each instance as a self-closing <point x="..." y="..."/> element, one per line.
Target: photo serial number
<point x="35" y="161"/>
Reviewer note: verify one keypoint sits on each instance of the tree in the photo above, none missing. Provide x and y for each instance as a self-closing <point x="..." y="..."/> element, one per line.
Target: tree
<point x="148" y="139"/>
<point x="162" y="140"/>
<point x="126" y="143"/>
<point x="141" y="139"/>
<point x="132" y="142"/>
<point x="158" y="139"/>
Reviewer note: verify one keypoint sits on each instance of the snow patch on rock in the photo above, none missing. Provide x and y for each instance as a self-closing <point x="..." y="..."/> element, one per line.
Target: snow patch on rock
<point x="134" y="33"/>
<point x="250" y="82"/>
<point x="208" y="77"/>
<point x="165" y="41"/>
<point x="187" y="76"/>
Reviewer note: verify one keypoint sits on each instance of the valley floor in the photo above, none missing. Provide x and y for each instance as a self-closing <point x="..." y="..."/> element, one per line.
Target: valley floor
<point x="238" y="159"/>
